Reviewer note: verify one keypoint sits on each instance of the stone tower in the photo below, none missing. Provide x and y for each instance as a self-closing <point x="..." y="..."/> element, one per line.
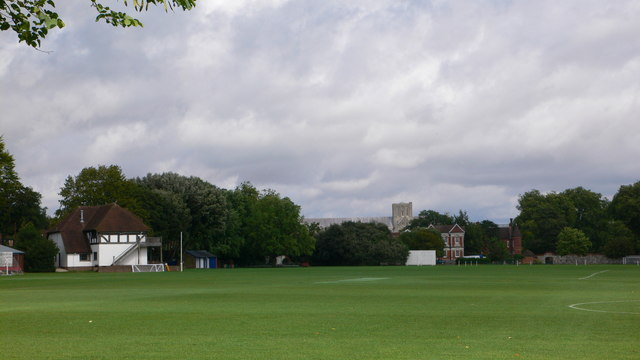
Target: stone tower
<point x="401" y="215"/>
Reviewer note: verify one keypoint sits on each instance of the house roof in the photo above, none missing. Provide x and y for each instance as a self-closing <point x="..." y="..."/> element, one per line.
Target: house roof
<point x="11" y="250"/>
<point x="448" y="228"/>
<point x="199" y="253"/>
<point x="504" y="233"/>
<point x="105" y="218"/>
<point x="507" y="232"/>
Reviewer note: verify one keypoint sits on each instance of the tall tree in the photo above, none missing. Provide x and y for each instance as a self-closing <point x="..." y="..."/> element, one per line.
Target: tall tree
<point x="625" y="206"/>
<point x="275" y="228"/>
<point x="241" y="203"/>
<point x="461" y="219"/>
<point x="98" y="186"/>
<point x="39" y="252"/>
<point x="352" y="243"/>
<point x="429" y="217"/>
<point x="479" y="237"/>
<point x="423" y="239"/>
<point x="542" y="217"/>
<point x="9" y="185"/>
<point x="167" y="215"/>
<point x="591" y="215"/>
<point x="620" y="241"/>
<point x="31" y="20"/>
<point x="19" y="204"/>
<point x="497" y="250"/>
<point x="206" y="204"/>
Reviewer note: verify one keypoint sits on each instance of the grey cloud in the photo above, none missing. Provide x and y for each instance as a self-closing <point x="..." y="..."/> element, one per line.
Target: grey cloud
<point x="344" y="107"/>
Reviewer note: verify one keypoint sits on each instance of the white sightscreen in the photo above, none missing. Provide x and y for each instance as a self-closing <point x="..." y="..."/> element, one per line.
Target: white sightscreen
<point x="422" y="257"/>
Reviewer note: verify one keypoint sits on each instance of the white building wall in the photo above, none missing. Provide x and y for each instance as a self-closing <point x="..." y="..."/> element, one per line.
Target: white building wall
<point x="61" y="259"/>
<point x="137" y="257"/>
<point x="73" y="260"/>
<point x="120" y="238"/>
<point x="107" y="253"/>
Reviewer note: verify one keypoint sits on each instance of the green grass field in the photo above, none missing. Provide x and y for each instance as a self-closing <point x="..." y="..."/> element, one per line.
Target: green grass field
<point x="444" y="312"/>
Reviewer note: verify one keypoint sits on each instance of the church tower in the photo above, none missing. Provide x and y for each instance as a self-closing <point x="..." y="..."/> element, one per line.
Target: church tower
<point x="402" y="214"/>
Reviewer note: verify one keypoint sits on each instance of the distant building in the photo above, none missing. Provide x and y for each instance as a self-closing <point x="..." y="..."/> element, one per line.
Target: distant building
<point x="401" y="216"/>
<point x="511" y="236"/>
<point x="11" y="261"/>
<point x="97" y="236"/>
<point x="453" y="237"/>
<point x="200" y="259"/>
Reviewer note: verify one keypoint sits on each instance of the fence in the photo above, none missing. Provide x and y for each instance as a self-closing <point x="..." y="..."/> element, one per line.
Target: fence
<point x="148" y="268"/>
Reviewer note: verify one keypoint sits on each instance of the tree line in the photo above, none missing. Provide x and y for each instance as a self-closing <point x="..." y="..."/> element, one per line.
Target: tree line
<point x="481" y="237"/>
<point x="244" y="225"/>
<point x="251" y="226"/>
<point x="579" y="220"/>
<point x="574" y="221"/>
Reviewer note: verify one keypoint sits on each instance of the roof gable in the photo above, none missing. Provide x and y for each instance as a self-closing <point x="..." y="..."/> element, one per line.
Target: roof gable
<point x="113" y="218"/>
<point x="508" y="232"/>
<point x="447" y="228"/>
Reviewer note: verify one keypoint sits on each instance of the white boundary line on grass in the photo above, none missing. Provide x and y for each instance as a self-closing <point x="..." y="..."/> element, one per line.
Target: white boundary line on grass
<point x="592" y="275"/>
<point x="577" y="307"/>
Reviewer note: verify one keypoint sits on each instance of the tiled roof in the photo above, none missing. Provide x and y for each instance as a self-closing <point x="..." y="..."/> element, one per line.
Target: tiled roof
<point x="199" y="253"/>
<point x="105" y="218"/>
<point x="507" y="232"/>
<point x="11" y="250"/>
<point x="504" y="233"/>
<point x="448" y="228"/>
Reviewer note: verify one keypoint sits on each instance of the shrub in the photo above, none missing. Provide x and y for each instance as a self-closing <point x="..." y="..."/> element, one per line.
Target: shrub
<point x="39" y="252"/>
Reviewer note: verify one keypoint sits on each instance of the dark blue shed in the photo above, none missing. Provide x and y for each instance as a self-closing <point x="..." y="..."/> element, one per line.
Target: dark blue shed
<point x="200" y="259"/>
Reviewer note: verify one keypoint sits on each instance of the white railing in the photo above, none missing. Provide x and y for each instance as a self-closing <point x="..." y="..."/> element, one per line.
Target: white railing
<point x="148" y="268"/>
<point x="125" y="253"/>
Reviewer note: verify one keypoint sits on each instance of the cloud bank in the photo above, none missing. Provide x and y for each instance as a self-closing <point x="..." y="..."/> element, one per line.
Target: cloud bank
<point x="344" y="107"/>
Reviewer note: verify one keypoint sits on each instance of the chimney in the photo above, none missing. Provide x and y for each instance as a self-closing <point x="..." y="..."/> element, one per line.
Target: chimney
<point x="81" y="216"/>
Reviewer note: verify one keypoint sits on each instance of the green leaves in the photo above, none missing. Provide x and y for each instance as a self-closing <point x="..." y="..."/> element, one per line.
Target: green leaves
<point x="115" y="18"/>
<point x="31" y="20"/>
<point x="274" y="228"/>
<point x="39" y="251"/>
<point x="98" y="186"/>
<point x="19" y="204"/>
<point x="352" y="243"/>
<point x="572" y="241"/>
<point x="423" y="239"/>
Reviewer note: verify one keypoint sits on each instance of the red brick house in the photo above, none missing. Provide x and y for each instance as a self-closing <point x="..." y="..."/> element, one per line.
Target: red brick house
<point x="453" y="237"/>
<point x="512" y="237"/>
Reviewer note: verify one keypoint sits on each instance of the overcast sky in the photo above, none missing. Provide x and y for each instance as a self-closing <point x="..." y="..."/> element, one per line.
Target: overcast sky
<point x="343" y="106"/>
